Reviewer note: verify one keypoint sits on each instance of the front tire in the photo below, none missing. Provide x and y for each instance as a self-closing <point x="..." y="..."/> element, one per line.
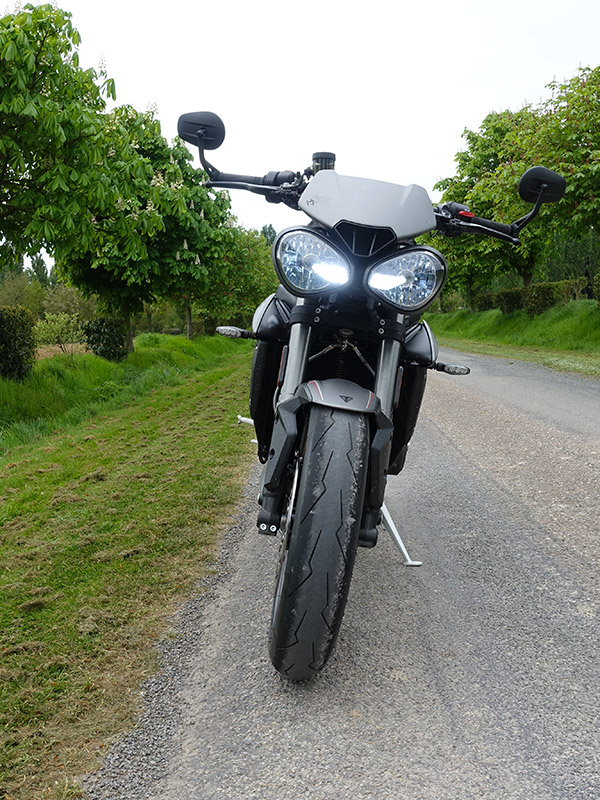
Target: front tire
<point x="319" y="544"/>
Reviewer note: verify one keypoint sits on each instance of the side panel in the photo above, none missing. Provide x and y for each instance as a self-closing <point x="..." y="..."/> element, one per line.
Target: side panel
<point x="263" y="380"/>
<point x="420" y="345"/>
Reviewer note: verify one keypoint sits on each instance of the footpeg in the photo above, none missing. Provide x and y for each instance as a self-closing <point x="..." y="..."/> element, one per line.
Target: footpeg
<point x="246" y="421"/>
<point x="388" y="524"/>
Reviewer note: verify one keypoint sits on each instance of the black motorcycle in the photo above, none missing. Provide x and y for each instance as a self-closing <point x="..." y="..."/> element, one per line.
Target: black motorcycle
<point x="339" y="371"/>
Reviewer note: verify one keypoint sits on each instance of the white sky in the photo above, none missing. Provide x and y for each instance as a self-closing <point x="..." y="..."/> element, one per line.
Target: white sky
<point x="388" y="86"/>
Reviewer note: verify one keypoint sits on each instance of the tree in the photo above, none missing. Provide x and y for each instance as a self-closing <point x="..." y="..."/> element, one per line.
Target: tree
<point x="562" y="133"/>
<point x="245" y="278"/>
<point x="63" y="163"/>
<point x="486" y="181"/>
<point x="176" y="254"/>
<point x="37" y="269"/>
<point x="269" y="233"/>
<point x="22" y="289"/>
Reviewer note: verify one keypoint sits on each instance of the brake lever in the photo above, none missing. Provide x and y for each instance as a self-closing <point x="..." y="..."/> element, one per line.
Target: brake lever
<point x="453" y="227"/>
<point x="273" y="194"/>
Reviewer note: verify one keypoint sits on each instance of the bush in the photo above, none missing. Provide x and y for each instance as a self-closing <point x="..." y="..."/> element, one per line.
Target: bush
<point x="509" y="300"/>
<point x="106" y="337"/>
<point x="539" y="297"/>
<point x="451" y="300"/>
<point x="596" y="285"/>
<point x="484" y="301"/>
<point x="61" y="329"/>
<point x="17" y="342"/>
<point x="578" y="287"/>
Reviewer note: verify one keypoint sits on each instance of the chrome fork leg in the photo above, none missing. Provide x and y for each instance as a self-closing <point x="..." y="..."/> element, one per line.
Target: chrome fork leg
<point x="388" y="524"/>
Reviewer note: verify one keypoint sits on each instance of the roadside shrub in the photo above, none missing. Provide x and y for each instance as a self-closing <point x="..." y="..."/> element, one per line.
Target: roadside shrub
<point x="61" y="329"/>
<point x="578" y="287"/>
<point x="451" y="300"/>
<point x="539" y="297"/>
<point x="596" y="285"/>
<point x="484" y="301"/>
<point x="17" y="342"/>
<point x="106" y="337"/>
<point x="509" y="300"/>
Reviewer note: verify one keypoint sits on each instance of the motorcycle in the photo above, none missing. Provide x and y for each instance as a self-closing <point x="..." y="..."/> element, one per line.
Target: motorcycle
<point x="339" y="371"/>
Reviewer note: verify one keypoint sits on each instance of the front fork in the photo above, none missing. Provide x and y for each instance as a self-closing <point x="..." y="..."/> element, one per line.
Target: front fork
<point x="296" y="359"/>
<point x="385" y="389"/>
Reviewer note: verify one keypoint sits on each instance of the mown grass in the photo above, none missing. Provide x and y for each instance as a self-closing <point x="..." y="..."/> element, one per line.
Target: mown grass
<point x="106" y="526"/>
<point x="565" y="337"/>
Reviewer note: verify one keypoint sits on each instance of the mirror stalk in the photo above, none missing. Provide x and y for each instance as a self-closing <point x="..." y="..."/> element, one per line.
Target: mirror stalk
<point x="523" y="221"/>
<point x="212" y="172"/>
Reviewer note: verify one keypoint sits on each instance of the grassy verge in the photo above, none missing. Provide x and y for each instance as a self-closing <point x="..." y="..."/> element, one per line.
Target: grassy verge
<point x="105" y="528"/>
<point x="66" y="390"/>
<point x="565" y="338"/>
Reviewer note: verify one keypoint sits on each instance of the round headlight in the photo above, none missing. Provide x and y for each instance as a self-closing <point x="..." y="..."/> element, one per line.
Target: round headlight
<point x="308" y="264"/>
<point x="410" y="280"/>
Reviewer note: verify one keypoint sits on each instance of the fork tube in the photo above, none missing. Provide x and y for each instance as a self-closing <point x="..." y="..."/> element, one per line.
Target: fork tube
<point x="387" y="369"/>
<point x="297" y="356"/>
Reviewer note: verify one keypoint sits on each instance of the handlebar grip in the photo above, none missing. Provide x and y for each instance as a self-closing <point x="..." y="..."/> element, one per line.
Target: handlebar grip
<point x="231" y="178"/>
<point x="278" y="178"/>
<point x="270" y="179"/>
<point x="467" y="216"/>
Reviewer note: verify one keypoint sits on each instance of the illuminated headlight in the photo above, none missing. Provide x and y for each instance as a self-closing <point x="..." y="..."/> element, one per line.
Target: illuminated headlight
<point x="410" y="280"/>
<point x="308" y="264"/>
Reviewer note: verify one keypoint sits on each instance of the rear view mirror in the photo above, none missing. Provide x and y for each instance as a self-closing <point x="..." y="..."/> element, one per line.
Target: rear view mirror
<point x="540" y="180"/>
<point x="202" y="128"/>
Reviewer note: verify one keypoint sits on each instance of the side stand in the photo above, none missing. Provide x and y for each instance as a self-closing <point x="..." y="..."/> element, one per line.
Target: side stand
<point x="388" y="524"/>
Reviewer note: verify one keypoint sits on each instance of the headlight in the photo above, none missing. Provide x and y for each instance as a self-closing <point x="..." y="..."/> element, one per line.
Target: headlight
<point x="308" y="264"/>
<point x="410" y="280"/>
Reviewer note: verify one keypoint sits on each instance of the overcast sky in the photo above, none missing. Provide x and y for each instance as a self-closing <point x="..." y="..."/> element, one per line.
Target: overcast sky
<point x="388" y="86"/>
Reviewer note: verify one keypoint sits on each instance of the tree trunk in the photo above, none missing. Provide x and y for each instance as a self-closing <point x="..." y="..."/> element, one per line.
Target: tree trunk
<point x="129" y="336"/>
<point x="188" y="317"/>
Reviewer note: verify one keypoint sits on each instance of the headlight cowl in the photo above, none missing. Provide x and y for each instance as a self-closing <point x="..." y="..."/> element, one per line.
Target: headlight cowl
<point x="410" y="280"/>
<point x="307" y="264"/>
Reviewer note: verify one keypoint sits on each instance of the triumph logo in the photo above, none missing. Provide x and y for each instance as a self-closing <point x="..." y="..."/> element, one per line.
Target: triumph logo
<point x="345" y="398"/>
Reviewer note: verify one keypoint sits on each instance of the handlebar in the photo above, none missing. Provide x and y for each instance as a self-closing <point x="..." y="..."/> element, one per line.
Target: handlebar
<point x="453" y="219"/>
<point x="270" y="179"/>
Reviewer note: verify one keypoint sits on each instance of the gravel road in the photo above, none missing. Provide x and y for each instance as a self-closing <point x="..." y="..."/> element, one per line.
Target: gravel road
<point x="476" y="675"/>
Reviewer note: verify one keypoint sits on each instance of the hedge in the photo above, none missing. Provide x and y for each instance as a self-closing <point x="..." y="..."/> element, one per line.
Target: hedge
<point x="536" y="298"/>
<point x="509" y="300"/>
<point x="539" y="297"/>
<point x="17" y="342"/>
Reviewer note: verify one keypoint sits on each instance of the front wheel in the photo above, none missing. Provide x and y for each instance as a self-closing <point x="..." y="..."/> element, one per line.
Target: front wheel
<point x="320" y="538"/>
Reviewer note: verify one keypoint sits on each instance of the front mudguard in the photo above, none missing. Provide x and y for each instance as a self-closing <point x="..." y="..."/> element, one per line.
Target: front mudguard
<point x="285" y="441"/>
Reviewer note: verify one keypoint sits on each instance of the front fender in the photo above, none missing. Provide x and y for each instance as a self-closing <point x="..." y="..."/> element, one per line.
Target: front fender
<point x="339" y="393"/>
<point x="333" y="393"/>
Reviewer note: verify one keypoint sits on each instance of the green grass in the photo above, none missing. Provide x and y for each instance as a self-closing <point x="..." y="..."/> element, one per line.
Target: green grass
<point x="565" y="337"/>
<point x="65" y="390"/>
<point x="106" y="527"/>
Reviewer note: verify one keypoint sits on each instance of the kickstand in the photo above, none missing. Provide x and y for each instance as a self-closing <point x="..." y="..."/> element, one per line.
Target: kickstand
<point x="388" y="524"/>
